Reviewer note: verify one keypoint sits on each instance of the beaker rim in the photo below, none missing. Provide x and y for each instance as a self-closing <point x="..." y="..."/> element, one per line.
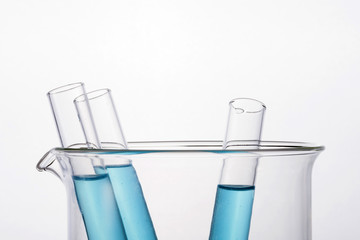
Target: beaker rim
<point x="262" y="147"/>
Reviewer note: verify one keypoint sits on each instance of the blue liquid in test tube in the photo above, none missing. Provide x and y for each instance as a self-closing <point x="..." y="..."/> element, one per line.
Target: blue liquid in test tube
<point x="232" y="212"/>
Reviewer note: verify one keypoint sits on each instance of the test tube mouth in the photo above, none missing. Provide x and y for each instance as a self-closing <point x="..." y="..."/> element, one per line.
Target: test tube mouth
<point x="247" y="105"/>
<point x="92" y="95"/>
<point x="65" y="88"/>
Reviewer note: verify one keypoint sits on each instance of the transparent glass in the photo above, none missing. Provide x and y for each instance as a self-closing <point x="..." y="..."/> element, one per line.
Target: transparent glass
<point x="69" y="128"/>
<point x="104" y="117"/>
<point x="237" y="183"/>
<point x="124" y="180"/>
<point x="244" y="121"/>
<point x="72" y="135"/>
<point x="179" y="181"/>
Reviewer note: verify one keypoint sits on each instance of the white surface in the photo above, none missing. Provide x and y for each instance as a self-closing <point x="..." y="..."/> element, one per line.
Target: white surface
<point x="173" y="66"/>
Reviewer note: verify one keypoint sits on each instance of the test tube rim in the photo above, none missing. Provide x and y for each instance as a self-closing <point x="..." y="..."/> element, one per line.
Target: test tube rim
<point x="82" y="97"/>
<point x="263" y="106"/>
<point x="65" y="88"/>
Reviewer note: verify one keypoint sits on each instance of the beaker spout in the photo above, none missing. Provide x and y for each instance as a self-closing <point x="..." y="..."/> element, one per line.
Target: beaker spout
<point x="49" y="163"/>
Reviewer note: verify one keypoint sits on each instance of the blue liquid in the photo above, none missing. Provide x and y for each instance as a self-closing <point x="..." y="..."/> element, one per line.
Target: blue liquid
<point x="232" y="212"/>
<point x="131" y="203"/>
<point x="98" y="207"/>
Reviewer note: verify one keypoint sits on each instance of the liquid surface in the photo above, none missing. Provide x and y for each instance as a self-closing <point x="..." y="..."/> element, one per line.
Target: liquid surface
<point x="232" y="212"/>
<point x="131" y="203"/>
<point x="98" y="207"/>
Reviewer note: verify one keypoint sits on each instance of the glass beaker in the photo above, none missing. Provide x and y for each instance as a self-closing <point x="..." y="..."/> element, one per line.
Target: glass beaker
<point x="179" y="181"/>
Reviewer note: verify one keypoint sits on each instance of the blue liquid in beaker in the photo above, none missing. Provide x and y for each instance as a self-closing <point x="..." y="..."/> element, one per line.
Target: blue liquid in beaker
<point x="131" y="203"/>
<point x="98" y="207"/>
<point x="232" y="212"/>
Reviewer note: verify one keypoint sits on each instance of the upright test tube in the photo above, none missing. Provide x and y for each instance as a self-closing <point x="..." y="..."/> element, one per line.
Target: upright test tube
<point x="235" y="192"/>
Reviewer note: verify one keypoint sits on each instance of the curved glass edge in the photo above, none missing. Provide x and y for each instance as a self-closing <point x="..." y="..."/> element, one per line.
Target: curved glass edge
<point x="215" y="146"/>
<point x="48" y="158"/>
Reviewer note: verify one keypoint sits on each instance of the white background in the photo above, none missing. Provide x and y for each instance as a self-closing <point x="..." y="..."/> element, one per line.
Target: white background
<point x="173" y="66"/>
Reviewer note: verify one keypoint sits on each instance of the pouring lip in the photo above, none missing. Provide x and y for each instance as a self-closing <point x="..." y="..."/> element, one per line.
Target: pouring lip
<point x="46" y="160"/>
<point x="212" y="146"/>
